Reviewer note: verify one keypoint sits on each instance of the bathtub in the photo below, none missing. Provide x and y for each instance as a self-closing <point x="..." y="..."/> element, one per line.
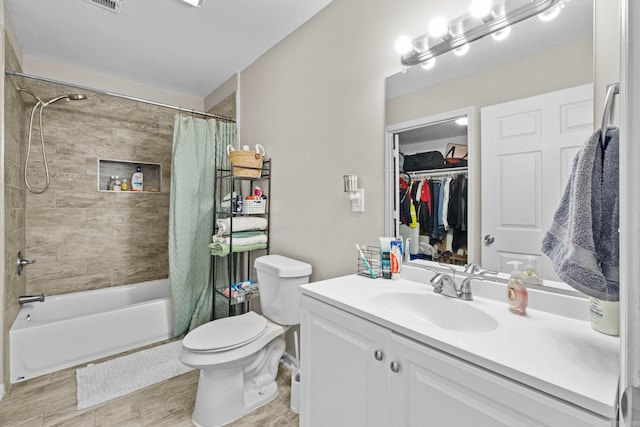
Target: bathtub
<point x="71" y="329"/>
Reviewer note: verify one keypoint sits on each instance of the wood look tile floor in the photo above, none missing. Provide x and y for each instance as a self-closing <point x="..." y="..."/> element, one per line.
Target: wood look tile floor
<point x="50" y="400"/>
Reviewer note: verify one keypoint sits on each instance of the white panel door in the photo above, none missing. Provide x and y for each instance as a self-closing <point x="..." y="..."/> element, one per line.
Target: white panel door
<point x="527" y="150"/>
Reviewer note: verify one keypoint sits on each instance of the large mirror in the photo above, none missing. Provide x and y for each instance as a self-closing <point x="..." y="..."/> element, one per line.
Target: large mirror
<point x="528" y="105"/>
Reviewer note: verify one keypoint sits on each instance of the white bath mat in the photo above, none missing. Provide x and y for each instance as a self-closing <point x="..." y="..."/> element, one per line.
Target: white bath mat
<point x="117" y="377"/>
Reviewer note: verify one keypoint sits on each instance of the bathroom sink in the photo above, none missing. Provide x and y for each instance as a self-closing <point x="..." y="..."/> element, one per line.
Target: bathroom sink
<point x="444" y="312"/>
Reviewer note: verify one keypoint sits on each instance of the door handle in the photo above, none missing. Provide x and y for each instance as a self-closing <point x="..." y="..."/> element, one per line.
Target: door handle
<point x="488" y="239"/>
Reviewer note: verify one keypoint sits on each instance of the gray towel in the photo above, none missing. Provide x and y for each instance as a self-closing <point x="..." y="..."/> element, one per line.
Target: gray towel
<point x="583" y="241"/>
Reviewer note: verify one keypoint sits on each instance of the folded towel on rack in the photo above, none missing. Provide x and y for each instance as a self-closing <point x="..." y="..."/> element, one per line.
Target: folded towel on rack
<point x="241" y="223"/>
<point x="241" y="239"/>
<point x="222" y="249"/>
<point x="583" y="241"/>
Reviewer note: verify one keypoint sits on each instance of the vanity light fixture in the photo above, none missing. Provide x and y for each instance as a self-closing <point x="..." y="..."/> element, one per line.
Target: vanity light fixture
<point x="459" y="51"/>
<point x="404" y="45"/>
<point x="502" y="34"/>
<point x="485" y="17"/>
<point x="428" y="64"/>
<point x="194" y="3"/>
<point x="439" y="28"/>
<point x="552" y="13"/>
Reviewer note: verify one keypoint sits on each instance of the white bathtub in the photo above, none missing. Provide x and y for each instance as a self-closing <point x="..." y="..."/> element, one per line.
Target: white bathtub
<point x="76" y="328"/>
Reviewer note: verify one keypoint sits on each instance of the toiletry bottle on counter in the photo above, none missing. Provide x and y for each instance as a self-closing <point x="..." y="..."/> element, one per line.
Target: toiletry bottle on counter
<point x="605" y="316"/>
<point x="529" y="273"/>
<point x="395" y="258"/>
<point x="385" y="256"/>
<point x="137" y="180"/>
<point x="516" y="290"/>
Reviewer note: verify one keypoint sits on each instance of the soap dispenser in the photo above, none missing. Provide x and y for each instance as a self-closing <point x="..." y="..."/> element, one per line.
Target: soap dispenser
<point x="529" y="274"/>
<point x="516" y="290"/>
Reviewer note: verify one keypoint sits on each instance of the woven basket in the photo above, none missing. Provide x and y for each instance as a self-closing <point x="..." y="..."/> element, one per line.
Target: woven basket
<point x="246" y="163"/>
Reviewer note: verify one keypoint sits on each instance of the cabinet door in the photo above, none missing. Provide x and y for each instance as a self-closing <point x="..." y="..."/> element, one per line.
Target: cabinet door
<point x="432" y="388"/>
<point x="343" y="383"/>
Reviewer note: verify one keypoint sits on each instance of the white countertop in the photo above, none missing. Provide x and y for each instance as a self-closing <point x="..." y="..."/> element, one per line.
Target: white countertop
<point x="559" y="354"/>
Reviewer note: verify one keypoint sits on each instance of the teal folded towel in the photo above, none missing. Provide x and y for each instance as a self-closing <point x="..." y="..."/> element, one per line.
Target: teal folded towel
<point x="222" y="249"/>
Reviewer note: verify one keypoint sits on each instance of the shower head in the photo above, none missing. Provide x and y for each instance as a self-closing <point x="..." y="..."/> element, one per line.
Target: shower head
<point x="68" y="97"/>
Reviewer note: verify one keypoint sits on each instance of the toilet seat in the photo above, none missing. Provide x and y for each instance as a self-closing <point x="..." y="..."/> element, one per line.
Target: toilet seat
<point x="226" y="334"/>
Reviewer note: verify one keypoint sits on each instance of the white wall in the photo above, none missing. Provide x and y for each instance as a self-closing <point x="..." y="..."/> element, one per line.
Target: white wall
<point x="316" y="102"/>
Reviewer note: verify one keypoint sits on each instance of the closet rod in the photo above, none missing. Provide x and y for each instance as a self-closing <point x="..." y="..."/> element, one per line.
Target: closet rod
<point x="117" y="95"/>
<point x="447" y="172"/>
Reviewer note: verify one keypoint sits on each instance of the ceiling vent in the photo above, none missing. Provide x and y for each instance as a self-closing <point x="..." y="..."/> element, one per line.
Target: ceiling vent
<point x="112" y="5"/>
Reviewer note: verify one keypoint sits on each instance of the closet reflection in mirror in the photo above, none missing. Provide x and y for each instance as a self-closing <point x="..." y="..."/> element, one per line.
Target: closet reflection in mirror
<point x="432" y="190"/>
<point x="538" y="59"/>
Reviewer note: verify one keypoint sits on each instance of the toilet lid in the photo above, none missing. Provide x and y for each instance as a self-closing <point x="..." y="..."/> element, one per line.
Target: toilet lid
<point x="227" y="333"/>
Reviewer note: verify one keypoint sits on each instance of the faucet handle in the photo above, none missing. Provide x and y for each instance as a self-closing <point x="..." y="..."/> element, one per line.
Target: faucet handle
<point x="448" y="267"/>
<point x="484" y="273"/>
<point x="431" y="269"/>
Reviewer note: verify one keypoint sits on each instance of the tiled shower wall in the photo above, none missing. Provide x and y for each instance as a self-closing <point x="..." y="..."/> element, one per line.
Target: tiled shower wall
<point x="14" y="207"/>
<point x="81" y="238"/>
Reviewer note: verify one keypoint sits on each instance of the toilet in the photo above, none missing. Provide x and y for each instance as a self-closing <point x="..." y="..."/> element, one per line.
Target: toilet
<point x="238" y="356"/>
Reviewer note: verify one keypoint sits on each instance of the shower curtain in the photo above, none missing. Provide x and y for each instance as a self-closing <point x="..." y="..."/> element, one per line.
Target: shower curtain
<point x="199" y="148"/>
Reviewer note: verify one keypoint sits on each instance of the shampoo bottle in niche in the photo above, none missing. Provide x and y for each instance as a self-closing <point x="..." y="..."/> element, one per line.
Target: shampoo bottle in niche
<point x="516" y="290"/>
<point x="137" y="180"/>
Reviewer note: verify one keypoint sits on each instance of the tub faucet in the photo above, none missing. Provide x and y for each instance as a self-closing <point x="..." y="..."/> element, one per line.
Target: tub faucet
<point x="23" y="299"/>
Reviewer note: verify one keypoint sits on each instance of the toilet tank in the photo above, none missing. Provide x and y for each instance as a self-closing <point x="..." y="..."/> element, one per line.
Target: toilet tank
<point x="279" y="279"/>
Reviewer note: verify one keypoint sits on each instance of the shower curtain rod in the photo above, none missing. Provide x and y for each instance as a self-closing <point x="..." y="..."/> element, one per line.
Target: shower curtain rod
<point x="117" y="95"/>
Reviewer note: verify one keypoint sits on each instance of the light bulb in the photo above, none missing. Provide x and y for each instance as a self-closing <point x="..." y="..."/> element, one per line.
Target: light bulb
<point x="550" y="14"/>
<point x="480" y="8"/>
<point x="404" y="45"/>
<point x="459" y="51"/>
<point x="438" y="27"/>
<point x="428" y="64"/>
<point x="502" y="34"/>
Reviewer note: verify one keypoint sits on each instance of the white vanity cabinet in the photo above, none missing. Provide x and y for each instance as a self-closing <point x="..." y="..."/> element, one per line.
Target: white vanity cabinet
<point x="357" y="373"/>
<point x="343" y="383"/>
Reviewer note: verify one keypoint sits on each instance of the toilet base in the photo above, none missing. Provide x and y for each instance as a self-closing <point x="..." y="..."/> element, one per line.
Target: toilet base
<point x="226" y="393"/>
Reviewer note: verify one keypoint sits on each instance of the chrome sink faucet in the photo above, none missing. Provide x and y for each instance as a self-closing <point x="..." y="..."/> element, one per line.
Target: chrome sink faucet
<point x="473" y="268"/>
<point x="445" y="284"/>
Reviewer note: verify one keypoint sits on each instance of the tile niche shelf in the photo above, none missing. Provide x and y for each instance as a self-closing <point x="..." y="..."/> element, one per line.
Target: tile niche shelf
<point x="152" y="174"/>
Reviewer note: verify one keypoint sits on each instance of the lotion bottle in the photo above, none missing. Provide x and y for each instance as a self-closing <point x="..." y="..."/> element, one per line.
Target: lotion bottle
<point x="530" y="275"/>
<point x="517" y="291"/>
<point x="137" y="180"/>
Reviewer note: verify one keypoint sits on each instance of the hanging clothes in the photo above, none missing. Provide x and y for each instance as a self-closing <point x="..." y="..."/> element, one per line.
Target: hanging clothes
<point x="424" y="213"/>
<point x="436" y="234"/>
<point x="405" y="201"/>
<point x="457" y="211"/>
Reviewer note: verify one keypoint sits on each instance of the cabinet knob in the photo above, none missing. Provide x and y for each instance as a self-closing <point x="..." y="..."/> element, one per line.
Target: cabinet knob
<point x="378" y="355"/>
<point x="489" y="239"/>
<point x="395" y="367"/>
